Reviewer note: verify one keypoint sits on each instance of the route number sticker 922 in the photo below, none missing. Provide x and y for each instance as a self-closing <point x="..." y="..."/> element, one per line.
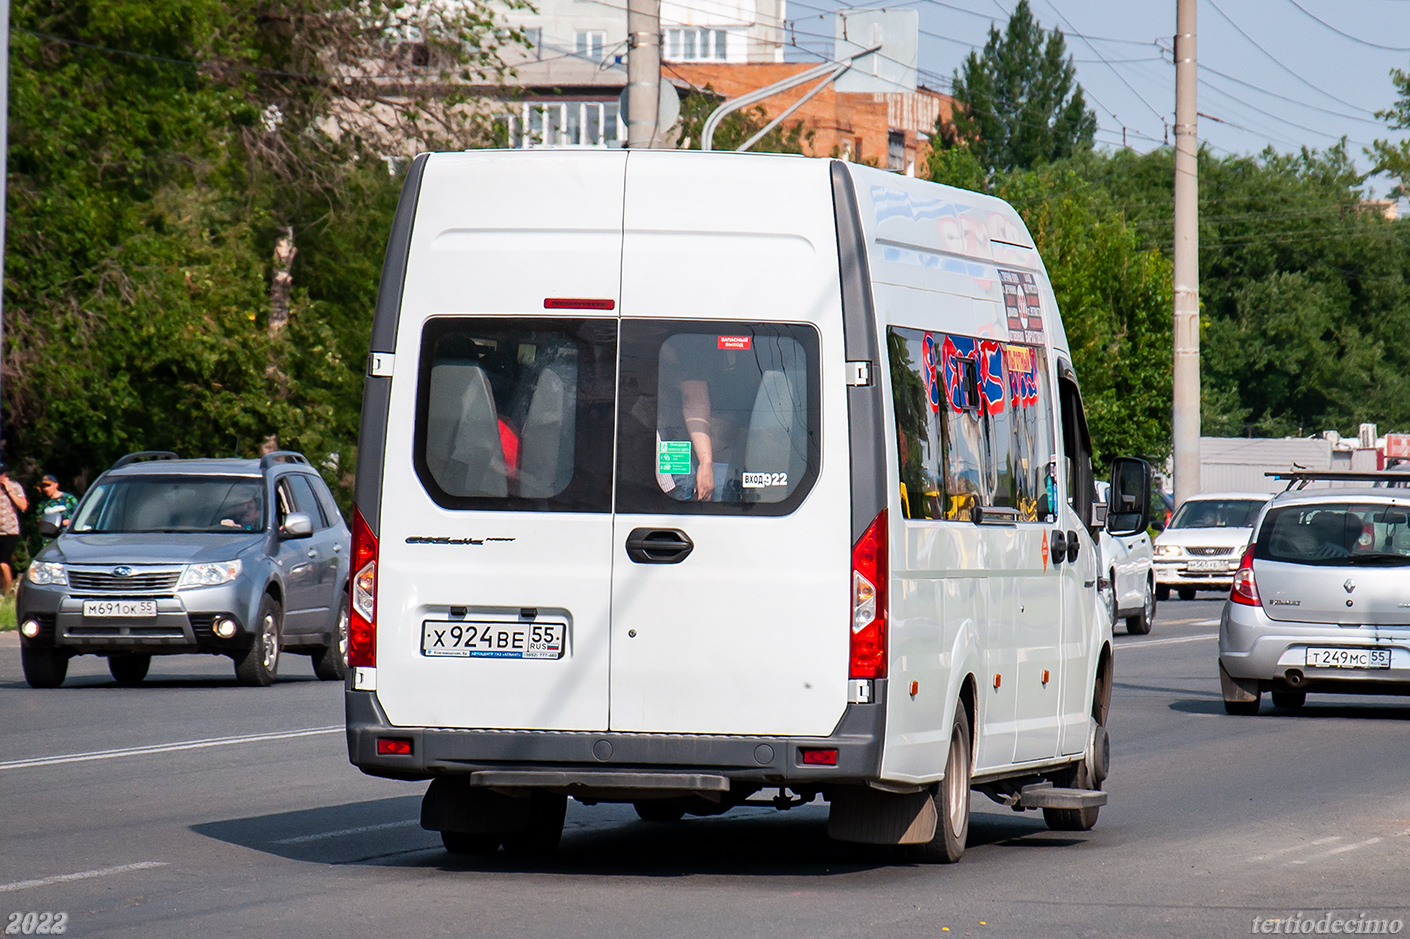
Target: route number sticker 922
<point x="764" y="480"/>
<point x="471" y="640"/>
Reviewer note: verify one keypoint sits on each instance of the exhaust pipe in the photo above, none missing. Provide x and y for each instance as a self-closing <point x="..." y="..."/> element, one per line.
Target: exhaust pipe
<point x="1293" y="677"/>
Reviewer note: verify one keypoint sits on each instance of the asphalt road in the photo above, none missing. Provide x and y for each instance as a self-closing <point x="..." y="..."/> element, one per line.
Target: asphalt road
<point x="190" y="807"/>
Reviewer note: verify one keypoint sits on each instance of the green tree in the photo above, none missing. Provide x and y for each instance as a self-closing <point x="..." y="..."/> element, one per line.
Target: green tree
<point x="1019" y="103"/>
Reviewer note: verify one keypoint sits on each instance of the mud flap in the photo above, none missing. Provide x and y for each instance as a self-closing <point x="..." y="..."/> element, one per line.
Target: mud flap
<point x="1237" y="689"/>
<point x="452" y="804"/>
<point x="871" y="817"/>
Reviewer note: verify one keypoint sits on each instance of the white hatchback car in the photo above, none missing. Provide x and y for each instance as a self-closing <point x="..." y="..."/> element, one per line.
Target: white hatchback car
<point x="1201" y="547"/>
<point x="1128" y="569"/>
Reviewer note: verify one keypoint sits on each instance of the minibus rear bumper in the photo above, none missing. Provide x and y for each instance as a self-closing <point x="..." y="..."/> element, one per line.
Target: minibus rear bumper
<point x="596" y="763"/>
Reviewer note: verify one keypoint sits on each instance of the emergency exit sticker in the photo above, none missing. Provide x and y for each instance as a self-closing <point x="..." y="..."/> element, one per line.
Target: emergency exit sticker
<point x="734" y="342"/>
<point x="673" y="457"/>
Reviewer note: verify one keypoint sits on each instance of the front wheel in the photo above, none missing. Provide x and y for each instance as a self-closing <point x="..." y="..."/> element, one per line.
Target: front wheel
<point x="952" y="800"/>
<point x="1140" y="624"/>
<point x="1162" y="592"/>
<point x="129" y="668"/>
<point x="44" y="668"/>
<point x="1187" y="593"/>
<point x="259" y="663"/>
<point x="331" y="662"/>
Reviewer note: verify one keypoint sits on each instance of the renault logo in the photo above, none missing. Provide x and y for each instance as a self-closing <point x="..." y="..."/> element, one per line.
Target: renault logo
<point x="1349" y="586"/>
<point x="122" y="571"/>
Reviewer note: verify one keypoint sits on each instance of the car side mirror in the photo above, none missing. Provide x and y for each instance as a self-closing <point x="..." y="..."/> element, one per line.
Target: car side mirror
<point x="1128" y="508"/>
<point x="296" y="525"/>
<point x="48" y="529"/>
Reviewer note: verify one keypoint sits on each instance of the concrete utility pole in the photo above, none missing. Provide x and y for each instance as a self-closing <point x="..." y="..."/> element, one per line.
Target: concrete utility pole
<point x="643" y="71"/>
<point x="1186" y="457"/>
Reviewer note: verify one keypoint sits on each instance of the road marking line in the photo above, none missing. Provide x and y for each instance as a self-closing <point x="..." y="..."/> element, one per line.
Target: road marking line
<point x="1296" y="847"/>
<point x="167" y="747"/>
<point x="1206" y="622"/>
<point x="301" y="839"/>
<point x="1164" y="642"/>
<point x="82" y="875"/>
<point x="1335" y="851"/>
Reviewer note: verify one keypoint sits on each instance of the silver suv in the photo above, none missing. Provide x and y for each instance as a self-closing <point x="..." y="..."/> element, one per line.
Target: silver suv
<point x="1321" y="598"/>
<point x="242" y="558"/>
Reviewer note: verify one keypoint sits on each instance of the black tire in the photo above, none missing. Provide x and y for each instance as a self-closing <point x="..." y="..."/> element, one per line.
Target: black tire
<point x="1242" y="708"/>
<point x="1076" y="776"/>
<point x="1162" y="592"/>
<point x="460" y="842"/>
<point x="1140" y="624"/>
<point x="331" y="662"/>
<point x="659" y="810"/>
<point x="1289" y="699"/>
<point x="258" y="664"/>
<point x="129" y="668"/>
<point x="952" y="798"/>
<point x="1187" y="593"/>
<point x="43" y="667"/>
<point x="545" y="827"/>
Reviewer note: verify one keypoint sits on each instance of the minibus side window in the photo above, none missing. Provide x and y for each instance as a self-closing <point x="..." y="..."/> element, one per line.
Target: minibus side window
<point x="717" y="418"/>
<point x="1077" y="447"/>
<point x="516" y="415"/>
<point x="973" y="425"/>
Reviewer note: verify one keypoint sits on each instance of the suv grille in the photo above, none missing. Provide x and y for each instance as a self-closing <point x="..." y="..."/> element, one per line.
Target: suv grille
<point x="137" y="582"/>
<point x="1210" y="552"/>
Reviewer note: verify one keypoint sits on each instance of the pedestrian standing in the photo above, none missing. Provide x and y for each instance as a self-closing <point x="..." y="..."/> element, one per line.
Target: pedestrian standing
<point x="58" y="505"/>
<point x="12" y="504"/>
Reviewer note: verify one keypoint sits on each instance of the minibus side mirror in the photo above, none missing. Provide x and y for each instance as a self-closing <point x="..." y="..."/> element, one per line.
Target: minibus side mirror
<point x="1128" y="508"/>
<point x="47" y="529"/>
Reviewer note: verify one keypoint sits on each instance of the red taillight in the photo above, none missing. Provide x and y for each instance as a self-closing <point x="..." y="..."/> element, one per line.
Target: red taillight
<point x="393" y="746"/>
<point x="819" y="757"/>
<point x="362" y="596"/>
<point x="1245" y="590"/>
<point x="868" y="658"/>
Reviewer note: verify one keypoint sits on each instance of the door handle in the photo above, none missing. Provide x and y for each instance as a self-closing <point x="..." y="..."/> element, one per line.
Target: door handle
<point x="1073" y="546"/>
<point x="659" y="545"/>
<point x="1057" y="546"/>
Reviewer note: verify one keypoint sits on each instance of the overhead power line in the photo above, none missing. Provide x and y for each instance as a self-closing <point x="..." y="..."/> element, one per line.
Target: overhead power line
<point x="1345" y="35"/>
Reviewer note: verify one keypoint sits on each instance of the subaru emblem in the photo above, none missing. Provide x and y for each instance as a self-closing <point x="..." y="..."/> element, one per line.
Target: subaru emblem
<point x="1349" y="586"/>
<point x="123" y="571"/>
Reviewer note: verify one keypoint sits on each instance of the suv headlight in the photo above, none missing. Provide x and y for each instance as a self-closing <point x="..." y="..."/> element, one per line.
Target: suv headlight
<point x="48" y="574"/>
<point x="1167" y="550"/>
<point x="210" y="574"/>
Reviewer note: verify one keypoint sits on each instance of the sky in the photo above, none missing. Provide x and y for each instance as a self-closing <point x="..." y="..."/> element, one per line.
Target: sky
<point x="1270" y="74"/>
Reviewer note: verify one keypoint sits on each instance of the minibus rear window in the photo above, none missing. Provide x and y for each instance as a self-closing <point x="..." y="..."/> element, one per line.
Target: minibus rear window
<point x="516" y="415"/>
<point x="717" y="417"/>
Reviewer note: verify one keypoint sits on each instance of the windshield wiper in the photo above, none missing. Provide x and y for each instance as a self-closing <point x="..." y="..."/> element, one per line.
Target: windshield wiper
<point x="1379" y="558"/>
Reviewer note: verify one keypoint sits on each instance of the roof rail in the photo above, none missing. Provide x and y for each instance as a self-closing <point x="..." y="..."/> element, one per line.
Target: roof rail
<point x="144" y="455"/>
<point x="1301" y="478"/>
<point x="281" y="456"/>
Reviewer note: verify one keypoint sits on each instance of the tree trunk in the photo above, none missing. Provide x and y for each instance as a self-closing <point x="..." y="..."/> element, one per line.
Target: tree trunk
<point x="284" y="254"/>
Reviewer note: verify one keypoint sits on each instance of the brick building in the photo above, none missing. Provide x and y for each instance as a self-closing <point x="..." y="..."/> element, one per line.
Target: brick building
<point x="890" y="130"/>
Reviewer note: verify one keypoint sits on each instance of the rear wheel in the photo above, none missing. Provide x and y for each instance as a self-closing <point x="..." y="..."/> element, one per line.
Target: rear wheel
<point x="260" y="662"/>
<point x="129" y="668"/>
<point x="1289" y="699"/>
<point x="545" y="827"/>
<point x="44" y="668"/>
<point x="1077" y="776"/>
<point x="952" y="801"/>
<point x="659" y="810"/>
<point x="1187" y="593"/>
<point x="460" y="842"/>
<point x="331" y="662"/>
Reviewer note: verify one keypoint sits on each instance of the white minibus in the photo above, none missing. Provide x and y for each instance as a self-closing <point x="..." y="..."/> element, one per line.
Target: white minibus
<point x="690" y="479"/>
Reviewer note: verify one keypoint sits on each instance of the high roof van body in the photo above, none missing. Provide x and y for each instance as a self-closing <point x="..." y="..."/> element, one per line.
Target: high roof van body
<point x="686" y="477"/>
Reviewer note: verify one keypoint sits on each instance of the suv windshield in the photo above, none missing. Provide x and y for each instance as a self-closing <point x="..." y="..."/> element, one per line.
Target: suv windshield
<point x="173" y="504"/>
<point x="1336" y="534"/>
<point x="1216" y="513"/>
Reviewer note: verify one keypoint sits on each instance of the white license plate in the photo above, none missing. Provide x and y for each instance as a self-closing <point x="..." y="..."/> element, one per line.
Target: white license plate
<point x="1349" y="658"/>
<point x="463" y="639"/>
<point x="1207" y="566"/>
<point x="103" y="608"/>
